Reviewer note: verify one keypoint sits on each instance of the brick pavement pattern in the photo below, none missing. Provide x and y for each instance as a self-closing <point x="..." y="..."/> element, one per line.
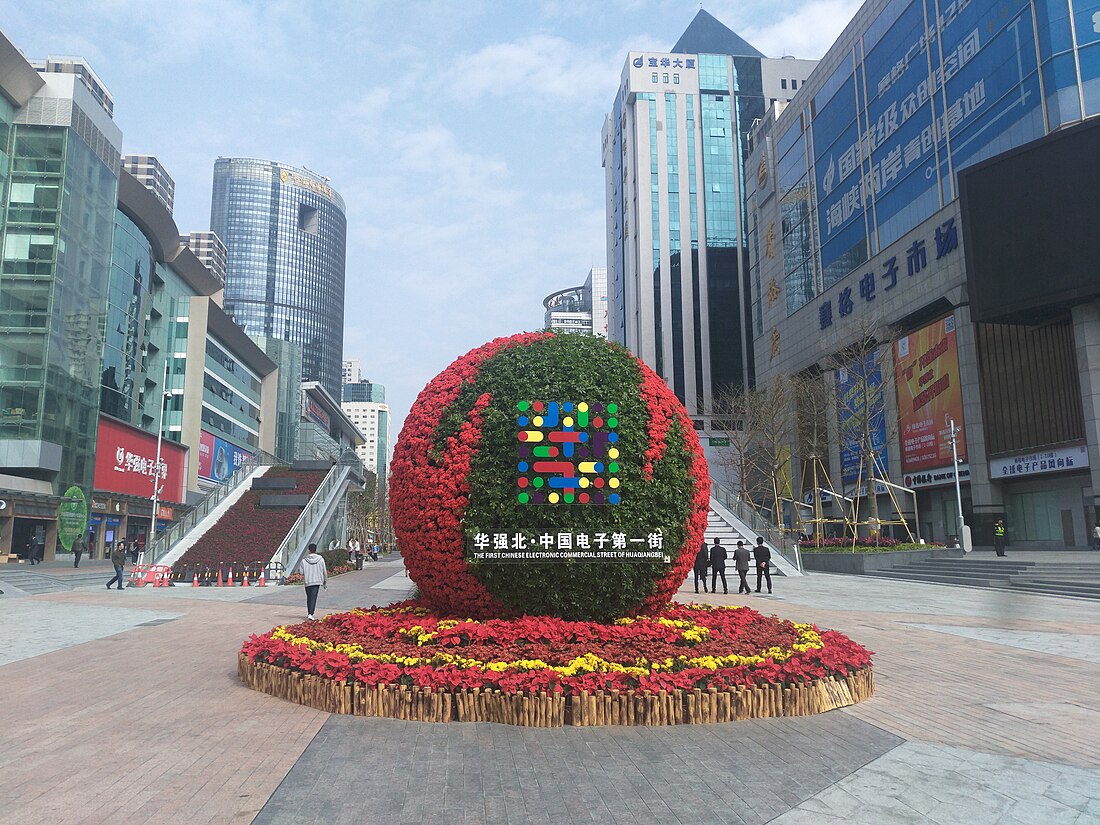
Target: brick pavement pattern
<point x="125" y="708"/>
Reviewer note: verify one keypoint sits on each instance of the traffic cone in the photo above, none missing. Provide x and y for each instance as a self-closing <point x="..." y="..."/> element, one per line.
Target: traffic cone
<point x="245" y="582"/>
<point x="261" y="583"/>
<point x="229" y="581"/>
<point x="195" y="583"/>
<point x="220" y="584"/>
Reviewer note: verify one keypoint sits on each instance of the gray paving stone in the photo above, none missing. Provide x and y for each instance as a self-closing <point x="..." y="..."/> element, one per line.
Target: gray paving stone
<point x="917" y="782"/>
<point x="501" y="775"/>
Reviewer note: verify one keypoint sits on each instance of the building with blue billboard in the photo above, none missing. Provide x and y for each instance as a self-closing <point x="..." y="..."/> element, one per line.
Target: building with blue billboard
<point x="859" y="226"/>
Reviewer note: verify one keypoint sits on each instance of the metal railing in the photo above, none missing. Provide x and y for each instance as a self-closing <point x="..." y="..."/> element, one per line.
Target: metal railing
<point x="305" y="524"/>
<point x="178" y="530"/>
<point x="778" y="536"/>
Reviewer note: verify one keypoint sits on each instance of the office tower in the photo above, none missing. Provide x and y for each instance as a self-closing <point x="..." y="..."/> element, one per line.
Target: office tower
<point x="933" y="186"/>
<point x="285" y="232"/>
<point x="209" y="249"/>
<point x="673" y="151"/>
<point x="353" y="372"/>
<point x="153" y="176"/>
<point x="373" y="420"/>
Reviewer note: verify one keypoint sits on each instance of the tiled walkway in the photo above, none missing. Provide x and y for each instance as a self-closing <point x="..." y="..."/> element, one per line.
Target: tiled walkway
<point x="124" y="707"/>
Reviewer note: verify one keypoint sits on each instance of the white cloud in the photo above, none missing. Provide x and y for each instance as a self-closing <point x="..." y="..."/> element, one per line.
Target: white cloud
<point x="805" y="31"/>
<point x="542" y="66"/>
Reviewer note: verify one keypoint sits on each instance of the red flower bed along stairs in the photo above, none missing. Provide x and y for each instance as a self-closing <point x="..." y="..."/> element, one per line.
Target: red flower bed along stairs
<point x="247" y="535"/>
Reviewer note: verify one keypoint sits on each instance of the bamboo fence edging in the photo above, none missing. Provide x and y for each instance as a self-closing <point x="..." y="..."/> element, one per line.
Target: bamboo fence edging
<point x="539" y="709"/>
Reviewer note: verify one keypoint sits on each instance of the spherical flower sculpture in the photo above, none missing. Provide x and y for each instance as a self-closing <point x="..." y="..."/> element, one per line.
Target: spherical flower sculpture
<point x="567" y="454"/>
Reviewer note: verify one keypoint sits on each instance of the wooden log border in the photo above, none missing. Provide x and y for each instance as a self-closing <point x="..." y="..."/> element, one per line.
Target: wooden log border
<point x="553" y="710"/>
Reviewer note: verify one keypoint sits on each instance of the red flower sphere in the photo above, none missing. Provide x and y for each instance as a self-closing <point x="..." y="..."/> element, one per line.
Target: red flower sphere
<point x="454" y="474"/>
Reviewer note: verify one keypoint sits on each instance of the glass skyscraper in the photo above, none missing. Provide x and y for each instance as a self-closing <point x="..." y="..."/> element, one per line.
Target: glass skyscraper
<point x="673" y="149"/>
<point x="285" y="233"/>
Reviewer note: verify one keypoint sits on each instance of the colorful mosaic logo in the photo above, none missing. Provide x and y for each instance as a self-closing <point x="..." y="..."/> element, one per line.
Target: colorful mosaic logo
<point x="568" y="453"/>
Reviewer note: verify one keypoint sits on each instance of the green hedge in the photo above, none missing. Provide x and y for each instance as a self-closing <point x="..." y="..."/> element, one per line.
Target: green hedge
<point x="570" y="368"/>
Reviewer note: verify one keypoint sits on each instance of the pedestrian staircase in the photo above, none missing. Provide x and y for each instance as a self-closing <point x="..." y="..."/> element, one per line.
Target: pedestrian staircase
<point x="1080" y="579"/>
<point x="725" y="525"/>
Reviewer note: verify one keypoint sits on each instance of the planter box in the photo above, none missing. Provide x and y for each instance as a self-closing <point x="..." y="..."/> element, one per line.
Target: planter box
<point x="845" y="561"/>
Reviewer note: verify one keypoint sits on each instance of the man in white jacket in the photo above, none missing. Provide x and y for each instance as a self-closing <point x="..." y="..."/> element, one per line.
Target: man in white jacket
<point x="316" y="576"/>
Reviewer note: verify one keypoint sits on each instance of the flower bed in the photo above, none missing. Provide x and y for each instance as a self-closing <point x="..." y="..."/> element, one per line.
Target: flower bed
<point x="686" y="663"/>
<point x="246" y="535"/>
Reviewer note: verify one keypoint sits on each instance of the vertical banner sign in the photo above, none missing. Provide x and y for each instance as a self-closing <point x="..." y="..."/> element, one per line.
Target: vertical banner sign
<point x="929" y="393"/>
<point x="860" y="405"/>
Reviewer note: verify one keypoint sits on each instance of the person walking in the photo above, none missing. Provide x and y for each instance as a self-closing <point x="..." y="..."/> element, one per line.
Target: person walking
<point x="1096" y="536"/>
<point x="134" y="550"/>
<point x="741" y="561"/>
<point x="78" y="549"/>
<point x="763" y="556"/>
<point x="32" y="550"/>
<point x="118" y="559"/>
<point x="999" y="537"/>
<point x="702" y="562"/>
<point x="316" y="576"/>
<point x="718" y="566"/>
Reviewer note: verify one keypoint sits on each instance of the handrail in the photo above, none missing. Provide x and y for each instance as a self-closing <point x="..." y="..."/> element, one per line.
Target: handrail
<point x="778" y="536"/>
<point x="177" y="530"/>
<point x="341" y="469"/>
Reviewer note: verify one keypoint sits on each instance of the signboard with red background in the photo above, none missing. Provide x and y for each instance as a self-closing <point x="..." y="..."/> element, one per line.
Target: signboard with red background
<point x="929" y="393"/>
<point x="125" y="461"/>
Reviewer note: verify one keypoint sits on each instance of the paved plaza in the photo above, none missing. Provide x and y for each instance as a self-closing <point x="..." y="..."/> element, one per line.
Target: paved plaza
<point x="124" y="707"/>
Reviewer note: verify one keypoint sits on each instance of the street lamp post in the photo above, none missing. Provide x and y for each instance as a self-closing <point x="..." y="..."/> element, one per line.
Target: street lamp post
<point x="157" y="486"/>
<point x="964" y="528"/>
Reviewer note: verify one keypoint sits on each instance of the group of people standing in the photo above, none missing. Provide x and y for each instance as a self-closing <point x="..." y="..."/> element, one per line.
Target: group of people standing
<point x="713" y="558"/>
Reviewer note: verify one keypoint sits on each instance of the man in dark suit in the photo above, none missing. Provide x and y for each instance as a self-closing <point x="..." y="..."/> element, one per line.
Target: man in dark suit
<point x="718" y="565"/>
<point x="762" y="555"/>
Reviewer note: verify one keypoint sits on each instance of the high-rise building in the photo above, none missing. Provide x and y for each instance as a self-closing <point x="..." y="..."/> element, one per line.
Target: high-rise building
<point x="373" y="420"/>
<point x="209" y="249"/>
<point x="285" y="233"/>
<point x="153" y="176"/>
<point x="353" y="371"/>
<point x="673" y="152"/>
<point x="364" y="390"/>
<point x="61" y="162"/>
<point x="928" y="199"/>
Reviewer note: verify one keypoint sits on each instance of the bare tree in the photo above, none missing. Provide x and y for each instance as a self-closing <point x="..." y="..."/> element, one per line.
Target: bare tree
<point x="865" y="379"/>
<point x="760" y="424"/>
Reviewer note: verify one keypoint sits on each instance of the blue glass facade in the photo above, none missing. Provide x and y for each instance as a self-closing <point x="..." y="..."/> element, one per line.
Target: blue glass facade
<point x="925" y="91"/>
<point x="285" y="232"/>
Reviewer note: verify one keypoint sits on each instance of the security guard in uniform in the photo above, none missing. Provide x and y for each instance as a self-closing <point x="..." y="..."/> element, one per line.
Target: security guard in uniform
<point x="999" y="537"/>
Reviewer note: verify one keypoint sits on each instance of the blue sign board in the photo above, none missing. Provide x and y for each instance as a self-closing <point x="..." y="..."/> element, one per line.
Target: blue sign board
<point x="861" y="398"/>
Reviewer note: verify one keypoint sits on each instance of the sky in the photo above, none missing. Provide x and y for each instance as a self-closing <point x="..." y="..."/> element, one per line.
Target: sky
<point x="463" y="136"/>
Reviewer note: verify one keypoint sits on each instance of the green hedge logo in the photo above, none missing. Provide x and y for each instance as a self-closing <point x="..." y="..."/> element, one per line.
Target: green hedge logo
<point x="72" y="517"/>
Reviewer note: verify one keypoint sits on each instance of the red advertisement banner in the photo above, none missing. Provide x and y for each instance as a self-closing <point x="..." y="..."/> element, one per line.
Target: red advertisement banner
<point x="929" y="393"/>
<point x="125" y="462"/>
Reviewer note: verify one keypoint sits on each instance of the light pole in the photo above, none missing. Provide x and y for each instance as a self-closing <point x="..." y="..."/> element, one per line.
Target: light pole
<point x="164" y="396"/>
<point x="964" y="529"/>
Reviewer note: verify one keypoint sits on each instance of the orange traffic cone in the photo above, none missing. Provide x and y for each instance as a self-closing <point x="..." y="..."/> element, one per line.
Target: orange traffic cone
<point x="195" y="583"/>
<point x="220" y="583"/>
<point x="245" y="582"/>
<point x="229" y="581"/>
<point x="261" y="583"/>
